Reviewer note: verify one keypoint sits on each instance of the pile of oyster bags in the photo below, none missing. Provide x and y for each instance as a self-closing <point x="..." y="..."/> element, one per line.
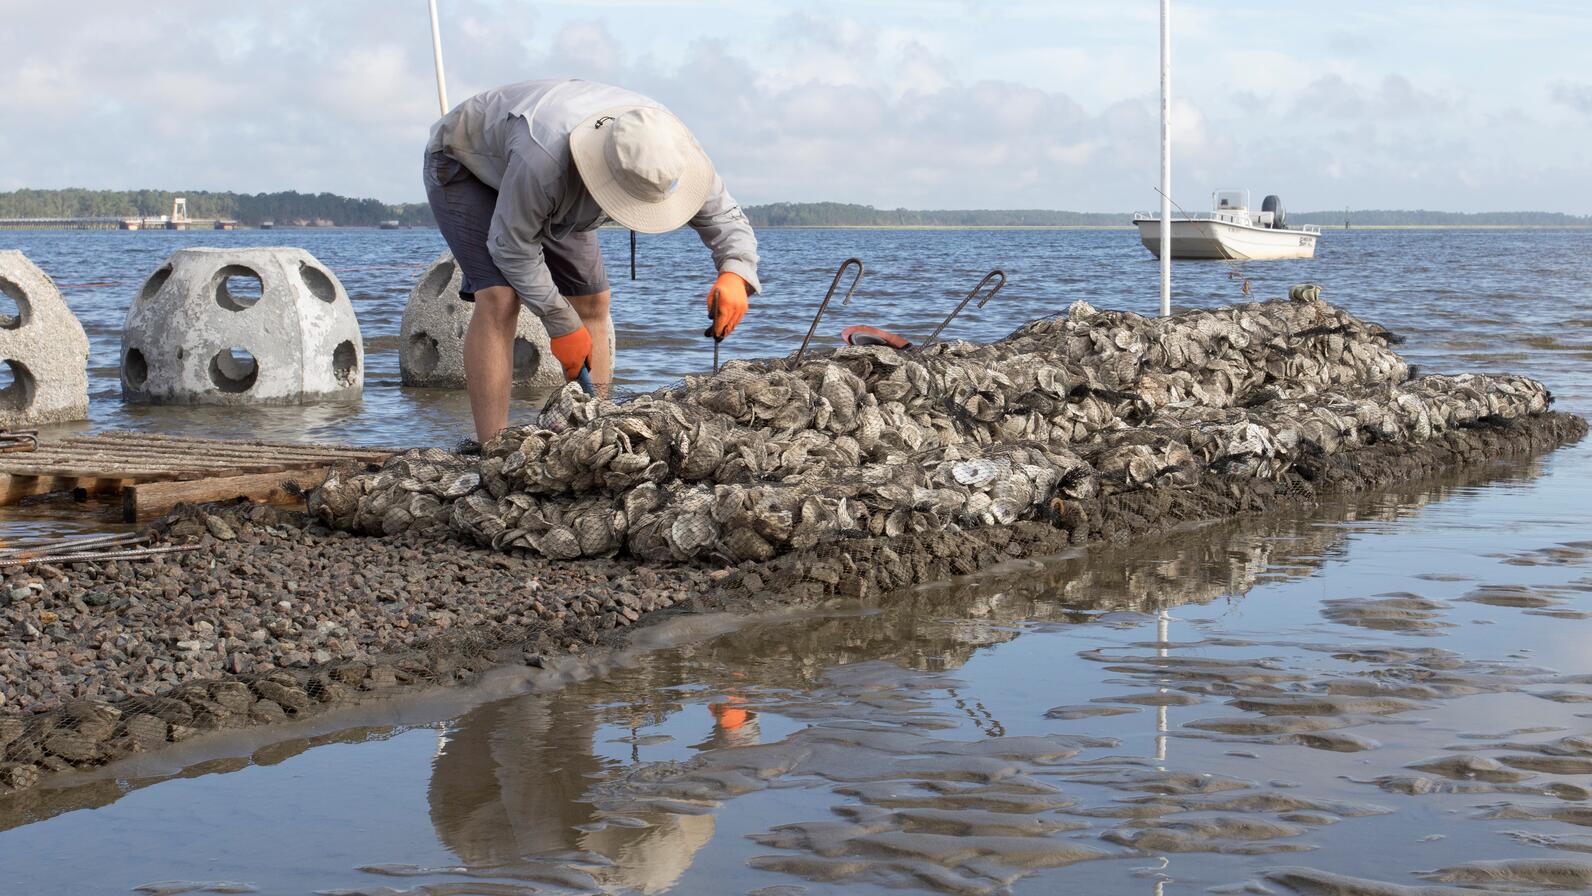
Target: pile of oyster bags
<point x="766" y="457"/>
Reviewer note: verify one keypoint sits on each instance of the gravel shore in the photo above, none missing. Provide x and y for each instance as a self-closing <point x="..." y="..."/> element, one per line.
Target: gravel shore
<point x="276" y="617"/>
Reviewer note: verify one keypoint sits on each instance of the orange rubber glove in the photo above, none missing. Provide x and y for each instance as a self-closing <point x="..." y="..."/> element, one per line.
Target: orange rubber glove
<point x="573" y="350"/>
<point x="731" y="291"/>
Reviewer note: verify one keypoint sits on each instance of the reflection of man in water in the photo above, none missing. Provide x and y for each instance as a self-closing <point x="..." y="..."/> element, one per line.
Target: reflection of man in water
<point x="733" y="724"/>
<point x="512" y="779"/>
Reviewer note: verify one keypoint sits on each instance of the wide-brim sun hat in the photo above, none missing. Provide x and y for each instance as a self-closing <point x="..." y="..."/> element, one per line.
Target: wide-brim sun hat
<point x="642" y="166"/>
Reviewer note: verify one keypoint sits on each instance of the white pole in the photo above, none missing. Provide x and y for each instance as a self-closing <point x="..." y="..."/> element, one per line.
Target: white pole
<point x="1166" y="156"/>
<point x="436" y="55"/>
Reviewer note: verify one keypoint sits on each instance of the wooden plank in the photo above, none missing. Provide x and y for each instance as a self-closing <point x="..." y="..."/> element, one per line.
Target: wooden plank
<point x="217" y="466"/>
<point x="154" y="471"/>
<point x="207" y="449"/>
<point x="44" y="458"/>
<point x="100" y="472"/>
<point x="202" y="440"/>
<point x="65" y="459"/>
<point x="147" y="500"/>
<point x="182" y="452"/>
<point x="340" y="451"/>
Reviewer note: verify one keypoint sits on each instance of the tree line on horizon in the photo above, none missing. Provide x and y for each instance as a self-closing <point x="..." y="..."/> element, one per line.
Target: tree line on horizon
<point x="246" y="208"/>
<point x="284" y="207"/>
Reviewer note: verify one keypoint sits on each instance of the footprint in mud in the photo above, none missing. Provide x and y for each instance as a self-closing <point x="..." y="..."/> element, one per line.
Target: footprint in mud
<point x="1399" y="611"/>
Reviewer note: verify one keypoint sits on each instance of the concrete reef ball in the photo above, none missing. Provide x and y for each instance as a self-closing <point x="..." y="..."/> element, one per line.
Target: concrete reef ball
<point x="431" y="347"/>
<point x="43" y="350"/>
<point x="241" y="326"/>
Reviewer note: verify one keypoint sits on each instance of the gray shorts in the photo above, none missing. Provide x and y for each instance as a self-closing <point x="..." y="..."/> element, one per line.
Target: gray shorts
<point x="463" y="207"/>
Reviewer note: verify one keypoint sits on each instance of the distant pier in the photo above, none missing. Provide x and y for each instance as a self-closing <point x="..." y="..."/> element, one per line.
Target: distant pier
<point x="177" y="220"/>
<point x="157" y="222"/>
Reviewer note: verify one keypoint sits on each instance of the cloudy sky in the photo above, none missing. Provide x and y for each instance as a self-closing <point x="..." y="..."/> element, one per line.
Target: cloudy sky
<point x="1459" y="105"/>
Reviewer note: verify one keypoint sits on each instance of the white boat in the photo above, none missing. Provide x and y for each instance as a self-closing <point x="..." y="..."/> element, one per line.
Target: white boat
<point x="1232" y="231"/>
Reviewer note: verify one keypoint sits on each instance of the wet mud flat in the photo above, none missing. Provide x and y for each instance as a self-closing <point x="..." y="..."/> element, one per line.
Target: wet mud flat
<point x="277" y="617"/>
<point x="1213" y="726"/>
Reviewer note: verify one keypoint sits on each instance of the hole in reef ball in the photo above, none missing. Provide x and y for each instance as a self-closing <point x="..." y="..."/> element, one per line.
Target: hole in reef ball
<point x="526" y="358"/>
<point x="436" y="281"/>
<point x="234" y="370"/>
<point x="345" y="362"/>
<point x="16" y="386"/>
<point x="14" y="308"/>
<point x="238" y="287"/>
<point x="423" y="354"/>
<point x="135" y="368"/>
<point x="154" y="283"/>
<point x="320" y="285"/>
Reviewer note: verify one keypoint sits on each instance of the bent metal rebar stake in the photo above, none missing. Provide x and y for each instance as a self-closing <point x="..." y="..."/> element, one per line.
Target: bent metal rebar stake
<point x="958" y="309"/>
<point x="824" y="305"/>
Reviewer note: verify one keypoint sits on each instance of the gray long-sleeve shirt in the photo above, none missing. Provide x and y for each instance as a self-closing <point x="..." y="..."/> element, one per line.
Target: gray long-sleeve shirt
<point x="516" y="140"/>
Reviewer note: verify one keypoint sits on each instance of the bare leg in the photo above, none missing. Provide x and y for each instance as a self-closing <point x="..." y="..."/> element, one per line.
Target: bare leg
<point x="489" y="358"/>
<point x="593" y="311"/>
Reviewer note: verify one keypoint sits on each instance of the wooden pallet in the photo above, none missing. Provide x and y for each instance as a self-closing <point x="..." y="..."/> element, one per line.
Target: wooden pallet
<point x="153" y="473"/>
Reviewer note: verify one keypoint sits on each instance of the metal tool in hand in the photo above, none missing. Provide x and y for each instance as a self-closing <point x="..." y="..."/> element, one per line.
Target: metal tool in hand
<point x="824" y="305"/>
<point x="713" y="310"/>
<point x="963" y="304"/>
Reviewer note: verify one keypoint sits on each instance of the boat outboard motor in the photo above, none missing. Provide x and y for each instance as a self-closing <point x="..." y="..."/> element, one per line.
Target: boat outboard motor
<point x="1273" y="204"/>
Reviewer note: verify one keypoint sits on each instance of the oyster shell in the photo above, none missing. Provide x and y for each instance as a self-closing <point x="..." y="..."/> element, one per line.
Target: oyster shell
<point x="762" y="458"/>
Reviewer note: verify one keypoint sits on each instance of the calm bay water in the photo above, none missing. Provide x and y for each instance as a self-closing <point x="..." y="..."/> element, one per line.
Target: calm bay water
<point x="1472" y="299"/>
<point x="883" y="747"/>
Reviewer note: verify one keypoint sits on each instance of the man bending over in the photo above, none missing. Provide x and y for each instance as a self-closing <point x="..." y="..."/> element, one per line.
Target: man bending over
<point x="520" y="178"/>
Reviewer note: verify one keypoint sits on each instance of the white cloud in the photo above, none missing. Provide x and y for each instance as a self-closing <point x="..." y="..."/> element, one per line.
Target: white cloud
<point x="1577" y="96"/>
<point x="929" y="103"/>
